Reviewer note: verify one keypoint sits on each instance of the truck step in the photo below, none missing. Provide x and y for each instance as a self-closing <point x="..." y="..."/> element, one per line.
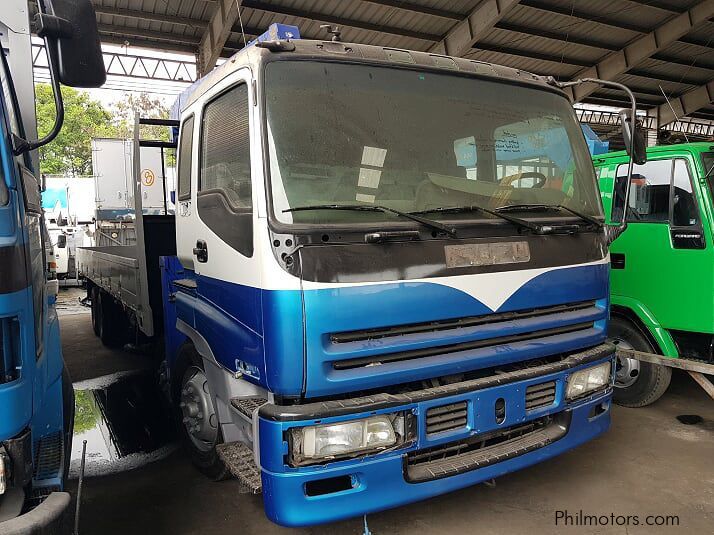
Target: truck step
<point x="239" y="460"/>
<point x="246" y="406"/>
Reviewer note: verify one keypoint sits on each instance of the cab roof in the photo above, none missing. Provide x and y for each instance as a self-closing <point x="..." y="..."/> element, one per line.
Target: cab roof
<point x="360" y="53"/>
<point x="697" y="147"/>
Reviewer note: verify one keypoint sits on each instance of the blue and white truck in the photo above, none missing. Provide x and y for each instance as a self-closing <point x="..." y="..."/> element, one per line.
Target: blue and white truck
<point x="386" y="279"/>
<point x="36" y="396"/>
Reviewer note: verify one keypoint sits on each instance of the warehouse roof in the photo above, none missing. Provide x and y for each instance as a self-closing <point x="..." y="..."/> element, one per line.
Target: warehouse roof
<point x="662" y="49"/>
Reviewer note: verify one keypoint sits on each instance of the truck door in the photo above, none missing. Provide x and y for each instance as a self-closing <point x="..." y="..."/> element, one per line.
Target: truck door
<point x="665" y="254"/>
<point x="216" y="223"/>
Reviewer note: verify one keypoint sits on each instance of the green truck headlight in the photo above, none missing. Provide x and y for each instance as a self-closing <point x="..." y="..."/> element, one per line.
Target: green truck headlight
<point x="345" y="439"/>
<point x="587" y="380"/>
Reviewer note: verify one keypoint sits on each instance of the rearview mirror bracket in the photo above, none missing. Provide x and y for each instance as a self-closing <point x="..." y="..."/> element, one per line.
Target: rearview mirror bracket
<point x="65" y="38"/>
<point x="634" y="146"/>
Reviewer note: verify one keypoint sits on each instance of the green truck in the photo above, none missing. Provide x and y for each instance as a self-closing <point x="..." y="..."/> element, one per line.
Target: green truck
<point x="662" y="282"/>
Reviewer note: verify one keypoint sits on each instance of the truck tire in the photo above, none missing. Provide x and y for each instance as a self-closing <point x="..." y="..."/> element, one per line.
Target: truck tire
<point x="111" y="321"/>
<point x="195" y="414"/>
<point x="637" y="383"/>
<point x="94" y="300"/>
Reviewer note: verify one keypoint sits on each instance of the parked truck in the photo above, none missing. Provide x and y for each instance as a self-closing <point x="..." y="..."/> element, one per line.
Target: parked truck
<point x="661" y="285"/>
<point x="36" y="396"/>
<point x="112" y="167"/>
<point x="386" y="279"/>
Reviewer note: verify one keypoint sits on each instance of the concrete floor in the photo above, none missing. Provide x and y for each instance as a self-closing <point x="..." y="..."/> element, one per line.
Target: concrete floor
<point x="648" y="463"/>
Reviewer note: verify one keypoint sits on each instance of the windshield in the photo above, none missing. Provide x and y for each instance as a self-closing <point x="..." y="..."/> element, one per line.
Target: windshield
<point x="417" y="141"/>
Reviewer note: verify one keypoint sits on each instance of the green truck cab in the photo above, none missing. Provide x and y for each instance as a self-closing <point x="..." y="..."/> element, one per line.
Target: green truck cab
<point x="662" y="281"/>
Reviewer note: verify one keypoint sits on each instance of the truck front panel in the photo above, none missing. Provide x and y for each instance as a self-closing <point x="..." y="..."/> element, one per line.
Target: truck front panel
<point x="427" y="464"/>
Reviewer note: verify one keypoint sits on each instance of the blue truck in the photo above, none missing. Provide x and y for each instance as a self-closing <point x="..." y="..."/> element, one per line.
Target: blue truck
<point x="386" y="277"/>
<point x="36" y="396"/>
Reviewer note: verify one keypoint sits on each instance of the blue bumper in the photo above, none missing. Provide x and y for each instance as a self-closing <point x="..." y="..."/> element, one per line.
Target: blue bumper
<point x="383" y="480"/>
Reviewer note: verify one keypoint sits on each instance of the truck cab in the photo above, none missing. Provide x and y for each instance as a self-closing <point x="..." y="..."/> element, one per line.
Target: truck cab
<point x="661" y="277"/>
<point x="391" y="277"/>
<point x="36" y="395"/>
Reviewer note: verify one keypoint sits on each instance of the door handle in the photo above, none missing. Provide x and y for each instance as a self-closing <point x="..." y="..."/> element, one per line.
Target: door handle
<point x="201" y="251"/>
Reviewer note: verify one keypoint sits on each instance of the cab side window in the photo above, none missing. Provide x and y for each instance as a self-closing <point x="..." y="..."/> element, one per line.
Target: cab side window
<point x="684" y="204"/>
<point x="661" y="191"/>
<point x="224" y="193"/>
<point x="185" y="160"/>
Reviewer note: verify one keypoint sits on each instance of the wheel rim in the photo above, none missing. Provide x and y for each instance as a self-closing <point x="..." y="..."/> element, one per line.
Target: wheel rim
<point x="627" y="370"/>
<point x="199" y="418"/>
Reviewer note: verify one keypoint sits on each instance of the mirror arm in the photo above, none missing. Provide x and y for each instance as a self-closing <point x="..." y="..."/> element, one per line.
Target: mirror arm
<point x="49" y="28"/>
<point x="22" y="145"/>
<point x="612" y="231"/>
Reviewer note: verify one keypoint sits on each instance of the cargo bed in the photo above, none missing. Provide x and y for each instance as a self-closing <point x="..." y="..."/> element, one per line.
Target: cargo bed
<point x="130" y="273"/>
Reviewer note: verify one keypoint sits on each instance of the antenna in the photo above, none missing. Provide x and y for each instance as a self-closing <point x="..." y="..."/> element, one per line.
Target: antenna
<point x="671" y="108"/>
<point x="240" y="20"/>
<point x="332" y="30"/>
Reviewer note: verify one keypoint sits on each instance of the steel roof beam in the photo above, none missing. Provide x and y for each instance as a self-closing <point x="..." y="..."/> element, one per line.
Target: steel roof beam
<point x="594" y="17"/>
<point x="544" y="56"/>
<point x="586" y="41"/>
<point x="340" y="21"/>
<point x="417" y="8"/>
<point x="619" y="62"/>
<point x="685" y="104"/>
<point x="151" y="17"/>
<point x="459" y="39"/>
<point x="568" y="60"/>
<point x="214" y="38"/>
<point x="555" y="35"/>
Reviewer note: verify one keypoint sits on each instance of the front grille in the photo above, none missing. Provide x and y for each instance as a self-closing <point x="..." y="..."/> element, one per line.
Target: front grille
<point x="397" y="356"/>
<point x="459" y="323"/>
<point x="483" y="450"/>
<point x="446" y="418"/>
<point x="540" y="395"/>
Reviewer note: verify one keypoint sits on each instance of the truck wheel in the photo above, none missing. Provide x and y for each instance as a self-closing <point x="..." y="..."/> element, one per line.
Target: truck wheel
<point x="637" y="384"/>
<point x="111" y="321"/>
<point x="196" y="417"/>
<point x="94" y="299"/>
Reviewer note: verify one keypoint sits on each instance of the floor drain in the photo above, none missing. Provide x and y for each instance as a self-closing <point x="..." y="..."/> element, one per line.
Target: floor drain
<point x="689" y="419"/>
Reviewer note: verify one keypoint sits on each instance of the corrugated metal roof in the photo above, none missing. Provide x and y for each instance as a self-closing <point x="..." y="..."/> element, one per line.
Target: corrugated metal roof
<point x="555" y="37"/>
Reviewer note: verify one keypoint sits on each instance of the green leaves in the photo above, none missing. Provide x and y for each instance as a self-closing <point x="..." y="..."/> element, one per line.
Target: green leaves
<point x="71" y="151"/>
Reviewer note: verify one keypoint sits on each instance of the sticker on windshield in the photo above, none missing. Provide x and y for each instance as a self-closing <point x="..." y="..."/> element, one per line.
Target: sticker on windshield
<point x="487" y="254"/>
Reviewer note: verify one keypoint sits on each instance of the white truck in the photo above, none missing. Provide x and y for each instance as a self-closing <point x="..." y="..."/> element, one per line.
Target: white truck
<point x="112" y="163"/>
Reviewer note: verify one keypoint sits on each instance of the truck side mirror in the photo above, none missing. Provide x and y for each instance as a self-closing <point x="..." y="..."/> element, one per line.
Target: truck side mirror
<point x="634" y="138"/>
<point x="70" y="27"/>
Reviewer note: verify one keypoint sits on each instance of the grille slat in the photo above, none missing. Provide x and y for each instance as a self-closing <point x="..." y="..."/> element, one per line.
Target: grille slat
<point x="480" y="451"/>
<point x="540" y="395"/>
<point x="446" y="418"/>
<point x="360" y="362"/>
<point x="459" y="323"/>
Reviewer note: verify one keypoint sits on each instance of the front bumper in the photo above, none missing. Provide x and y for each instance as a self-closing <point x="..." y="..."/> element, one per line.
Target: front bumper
<point x="46" y="519"/>
<point x="385" y="480"/>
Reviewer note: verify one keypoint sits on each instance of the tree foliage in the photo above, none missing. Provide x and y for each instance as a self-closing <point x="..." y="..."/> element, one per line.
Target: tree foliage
<point x="71" y="151"/>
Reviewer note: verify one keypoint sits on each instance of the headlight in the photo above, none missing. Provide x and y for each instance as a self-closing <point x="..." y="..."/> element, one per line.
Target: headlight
<point x="587" y="380"/>
<point x="346" y="438"/>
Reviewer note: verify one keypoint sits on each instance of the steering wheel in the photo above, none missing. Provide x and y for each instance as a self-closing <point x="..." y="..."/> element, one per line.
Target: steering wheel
<point x="540" y="178"/>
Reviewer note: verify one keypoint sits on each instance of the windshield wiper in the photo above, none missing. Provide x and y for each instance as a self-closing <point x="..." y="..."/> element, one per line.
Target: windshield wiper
<point x="377" y="208"/>
<point x="535" y="227"/>
<point x="545" y="207"/>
